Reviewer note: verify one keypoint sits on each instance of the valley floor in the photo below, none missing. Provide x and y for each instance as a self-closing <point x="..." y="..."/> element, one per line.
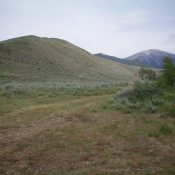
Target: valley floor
<point x="81" y="135"/>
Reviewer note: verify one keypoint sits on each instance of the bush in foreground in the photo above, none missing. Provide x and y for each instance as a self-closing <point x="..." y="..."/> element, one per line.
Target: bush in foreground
<point x="143" y="97"/>
<point x="150" y="93"/>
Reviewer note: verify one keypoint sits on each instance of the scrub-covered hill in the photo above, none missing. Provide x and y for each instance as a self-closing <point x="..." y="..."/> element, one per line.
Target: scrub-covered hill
<point x="38" y="61"/>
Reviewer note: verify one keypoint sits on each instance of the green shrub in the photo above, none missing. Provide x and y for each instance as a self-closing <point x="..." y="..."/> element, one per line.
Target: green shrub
<point x="143" y="90"/>
<point x="169" y="94"/>
<point x="165" y="129"/>
<point x="168" y="76"/>
<point x="169" y="109"/>
<point x="157" y="100"/>
<point x="149" y="107"/>
<point x="154" y="134"/>
<point x="144" y="96"/>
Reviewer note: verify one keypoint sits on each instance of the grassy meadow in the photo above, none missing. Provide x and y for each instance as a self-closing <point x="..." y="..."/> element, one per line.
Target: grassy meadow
<point x="81" y="134"/>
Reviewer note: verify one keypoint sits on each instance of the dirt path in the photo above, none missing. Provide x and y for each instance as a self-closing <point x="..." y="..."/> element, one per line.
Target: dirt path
<point x="72" y="104"/>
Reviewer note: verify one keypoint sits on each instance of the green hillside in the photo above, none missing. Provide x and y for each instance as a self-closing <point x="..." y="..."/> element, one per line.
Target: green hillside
<point x="49" y="60"/>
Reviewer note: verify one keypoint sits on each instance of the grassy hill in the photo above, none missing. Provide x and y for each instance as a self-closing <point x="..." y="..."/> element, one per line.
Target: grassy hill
<point x="38" y="60"/>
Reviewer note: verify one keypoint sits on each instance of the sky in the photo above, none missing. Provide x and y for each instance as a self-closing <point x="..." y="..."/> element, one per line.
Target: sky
<point x="115" y="27"/>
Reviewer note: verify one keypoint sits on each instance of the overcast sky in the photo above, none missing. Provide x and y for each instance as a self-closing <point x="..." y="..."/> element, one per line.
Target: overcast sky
<point x="115" y="27"/>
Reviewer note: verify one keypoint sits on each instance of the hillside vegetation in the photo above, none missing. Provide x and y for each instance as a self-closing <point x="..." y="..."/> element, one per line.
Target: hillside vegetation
<point x="31" y="61"/>
<point x="151" y="93"/>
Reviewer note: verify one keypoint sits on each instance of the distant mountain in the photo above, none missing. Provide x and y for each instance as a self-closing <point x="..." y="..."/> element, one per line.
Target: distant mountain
<point x="36" y="59"/>
<point x="112" y="58"/>
<point x="149" y="58"/>
<point x="108" y="57"/>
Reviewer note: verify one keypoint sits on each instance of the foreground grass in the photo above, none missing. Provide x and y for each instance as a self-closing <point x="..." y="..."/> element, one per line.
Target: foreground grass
<point x="75" y="135"/>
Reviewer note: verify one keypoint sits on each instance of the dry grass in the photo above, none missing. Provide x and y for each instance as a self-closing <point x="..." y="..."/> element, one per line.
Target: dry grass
<point x="79" y="136"/>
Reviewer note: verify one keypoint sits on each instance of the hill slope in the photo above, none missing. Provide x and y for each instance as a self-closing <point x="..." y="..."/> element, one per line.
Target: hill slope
<point x="108" y="57"/>
<point x="150" y="58"/>
<point x="112" y="58"/>
<point x="35" y="59"/>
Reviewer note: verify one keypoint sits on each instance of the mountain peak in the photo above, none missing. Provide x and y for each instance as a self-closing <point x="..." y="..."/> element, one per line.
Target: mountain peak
<point x="150" y="51"/>
<point x="150" y="58"/>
